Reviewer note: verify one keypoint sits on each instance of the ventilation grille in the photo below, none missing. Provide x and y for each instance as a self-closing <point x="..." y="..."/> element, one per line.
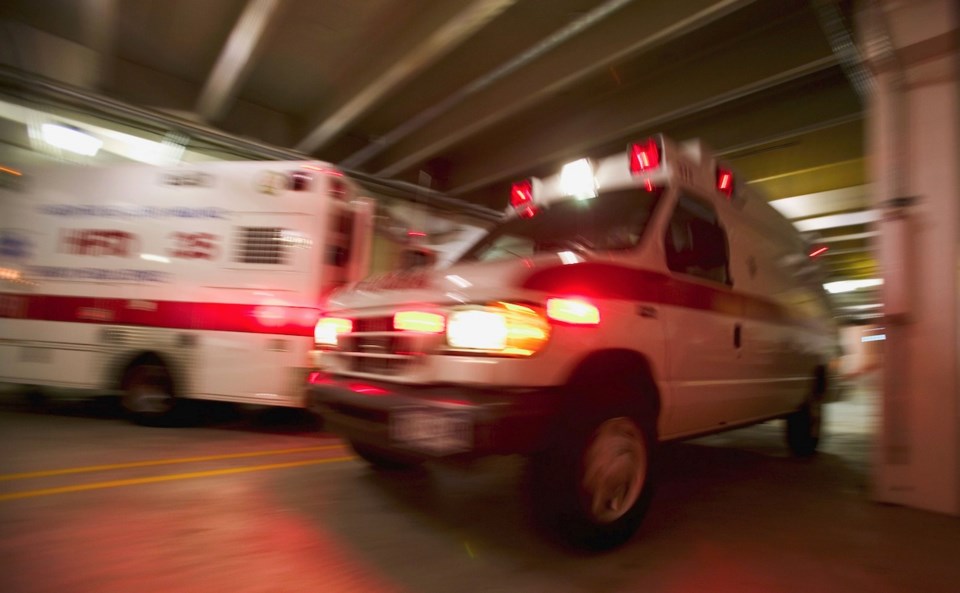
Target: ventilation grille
<point x="262" y="245"/>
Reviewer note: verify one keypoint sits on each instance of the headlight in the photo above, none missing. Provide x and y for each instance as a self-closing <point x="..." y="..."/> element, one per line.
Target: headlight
<point x="328" y="328"/>
<point x="502" y="328"/>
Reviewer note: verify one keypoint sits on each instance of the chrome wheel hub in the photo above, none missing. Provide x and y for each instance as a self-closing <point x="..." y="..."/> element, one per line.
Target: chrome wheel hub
<point x="615" y="469"/>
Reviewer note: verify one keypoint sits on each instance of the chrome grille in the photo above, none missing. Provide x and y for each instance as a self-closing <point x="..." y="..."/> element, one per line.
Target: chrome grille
<point x="373" y="348"/>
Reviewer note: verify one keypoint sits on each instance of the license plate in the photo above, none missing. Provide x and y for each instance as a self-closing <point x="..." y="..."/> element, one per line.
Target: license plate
<point x="437" y="432"/>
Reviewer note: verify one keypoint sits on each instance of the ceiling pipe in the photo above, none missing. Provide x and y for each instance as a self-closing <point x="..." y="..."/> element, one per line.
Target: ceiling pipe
<point x="843" y="47"/>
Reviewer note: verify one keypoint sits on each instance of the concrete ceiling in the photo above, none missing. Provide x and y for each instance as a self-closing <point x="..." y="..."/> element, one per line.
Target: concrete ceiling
<point x="469" y="95"/>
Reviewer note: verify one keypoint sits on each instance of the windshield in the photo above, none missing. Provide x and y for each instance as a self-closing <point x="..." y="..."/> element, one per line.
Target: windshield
<point x="611" y="221"/>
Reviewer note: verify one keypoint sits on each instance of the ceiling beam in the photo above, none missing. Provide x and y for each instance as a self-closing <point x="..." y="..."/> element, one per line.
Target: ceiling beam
<point x="850" y="237"/>
<point x="639" y="28"/>
<point x="235" y="58"/>
<point x="565" y="130"/>
<point x="447" y="37"/>
<point x="99" y="24"/>
<point x="536" y="52"/>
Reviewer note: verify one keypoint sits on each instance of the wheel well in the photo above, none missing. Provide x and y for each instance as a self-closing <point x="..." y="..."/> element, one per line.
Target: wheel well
<point x="617" y="367"/>
<point x="141" y="358"/>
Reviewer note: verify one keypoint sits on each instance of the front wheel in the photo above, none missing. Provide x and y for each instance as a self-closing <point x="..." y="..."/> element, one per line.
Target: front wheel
<point x="595" y="493"/>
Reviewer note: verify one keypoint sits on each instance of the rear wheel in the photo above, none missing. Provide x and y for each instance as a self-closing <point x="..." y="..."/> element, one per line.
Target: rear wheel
<point x="148" y="395"/>
<point x="804" y="425"/>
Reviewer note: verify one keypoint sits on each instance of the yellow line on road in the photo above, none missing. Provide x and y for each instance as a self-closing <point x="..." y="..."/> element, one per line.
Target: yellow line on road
<point x="153" y="462"/>
<point x="168" y="478"/>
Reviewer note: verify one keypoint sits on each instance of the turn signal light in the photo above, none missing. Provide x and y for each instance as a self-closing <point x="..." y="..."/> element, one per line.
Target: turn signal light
<point x="329" y="328"/>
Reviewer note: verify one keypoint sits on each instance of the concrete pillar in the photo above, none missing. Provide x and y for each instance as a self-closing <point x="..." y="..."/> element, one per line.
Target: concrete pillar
<point x="913" y="127"/>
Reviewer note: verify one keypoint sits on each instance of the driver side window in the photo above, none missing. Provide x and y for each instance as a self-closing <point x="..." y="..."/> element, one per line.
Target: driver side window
<point x="508" y="246"/>
<point x="695" y="243"/>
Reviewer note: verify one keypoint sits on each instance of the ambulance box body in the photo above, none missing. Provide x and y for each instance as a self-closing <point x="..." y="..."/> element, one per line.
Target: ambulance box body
<point x="199" y="282"/>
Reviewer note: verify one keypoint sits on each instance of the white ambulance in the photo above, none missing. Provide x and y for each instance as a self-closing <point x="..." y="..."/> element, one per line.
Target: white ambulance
<point x="199" y="282"/>
<point x="645" y="297"/>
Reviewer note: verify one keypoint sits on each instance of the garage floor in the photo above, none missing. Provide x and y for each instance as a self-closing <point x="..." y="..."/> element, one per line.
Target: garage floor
<point x="247" y="503"/>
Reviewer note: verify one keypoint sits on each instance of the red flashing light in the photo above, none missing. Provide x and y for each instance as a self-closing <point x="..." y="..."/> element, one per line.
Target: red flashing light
<point x="573" y="311"/>
<point x="725" y="181"/>
<point x="318" y="378"/>
<point x="521" y="198"/>
<point x="521" y="193"/>
<point x="819" y="251"/>
<point x="644" y="156"/>
<point x="416" y="234"/>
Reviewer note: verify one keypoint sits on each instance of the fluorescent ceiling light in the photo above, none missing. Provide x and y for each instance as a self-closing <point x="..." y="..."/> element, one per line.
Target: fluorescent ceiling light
<point x="70" y="138"/>
<point x="851" y="285"/>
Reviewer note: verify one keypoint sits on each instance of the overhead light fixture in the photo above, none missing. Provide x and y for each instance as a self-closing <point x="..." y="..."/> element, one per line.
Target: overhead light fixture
<point x="71" y="138"/>
<point x="851" y="285"/>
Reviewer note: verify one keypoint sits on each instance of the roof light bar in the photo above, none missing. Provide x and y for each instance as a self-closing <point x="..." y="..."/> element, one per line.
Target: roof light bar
<point x="577" y="180"/>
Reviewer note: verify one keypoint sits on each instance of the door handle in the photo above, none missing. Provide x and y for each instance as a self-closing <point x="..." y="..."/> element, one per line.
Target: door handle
<point x="736" y="335"/>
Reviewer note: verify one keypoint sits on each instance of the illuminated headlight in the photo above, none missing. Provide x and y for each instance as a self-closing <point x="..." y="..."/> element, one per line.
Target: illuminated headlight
<point x="502" y="328"/>
<point x="328" y="328"/>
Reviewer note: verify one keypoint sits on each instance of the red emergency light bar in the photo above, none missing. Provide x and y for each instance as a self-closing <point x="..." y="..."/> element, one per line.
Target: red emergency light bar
<point x="644" y="156"/>
<point x="725" y="181"/>
<point x="521" y="198"/>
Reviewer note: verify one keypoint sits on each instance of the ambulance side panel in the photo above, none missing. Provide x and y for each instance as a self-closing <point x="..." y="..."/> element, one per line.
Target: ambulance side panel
<point x="210" y="267"/>
<point x="786" y="321"/>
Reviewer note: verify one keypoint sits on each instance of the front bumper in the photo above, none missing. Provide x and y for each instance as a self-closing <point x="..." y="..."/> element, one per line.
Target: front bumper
<point x="437" y="421"/>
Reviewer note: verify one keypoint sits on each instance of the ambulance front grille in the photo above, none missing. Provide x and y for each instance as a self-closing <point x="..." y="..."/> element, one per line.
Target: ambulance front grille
<point x="373" y="348"/>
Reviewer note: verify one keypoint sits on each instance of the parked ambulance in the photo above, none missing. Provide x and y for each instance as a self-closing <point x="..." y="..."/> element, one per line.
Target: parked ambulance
<point x="644" y="297"/>
<point x="200" y="282"/>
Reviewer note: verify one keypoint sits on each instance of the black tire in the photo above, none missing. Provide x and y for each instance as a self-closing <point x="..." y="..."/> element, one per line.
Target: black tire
<point x="804" y="427"/>
<point x="148" y="395"/>
<point x="594" y="491"/>
<point x="383" y="460"/>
